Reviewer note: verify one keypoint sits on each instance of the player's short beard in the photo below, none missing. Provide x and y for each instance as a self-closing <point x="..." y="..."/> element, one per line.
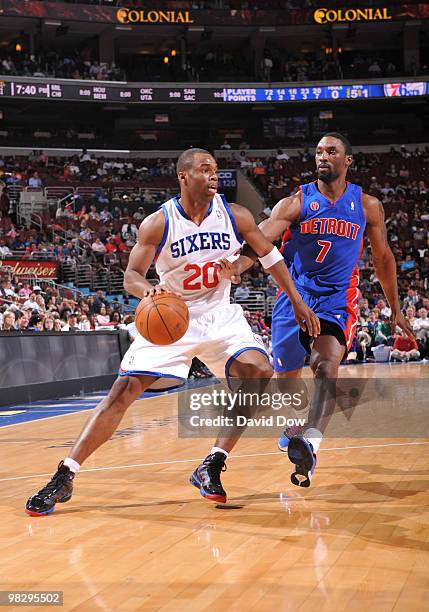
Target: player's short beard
<point x="327" y="177"/>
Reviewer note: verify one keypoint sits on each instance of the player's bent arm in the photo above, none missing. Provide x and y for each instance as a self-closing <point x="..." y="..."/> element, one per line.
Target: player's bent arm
<point x="383" y="258"/>
<point x="284" y="214"/>
<point x="142" y="254"/>
<point x="272" y="260"/>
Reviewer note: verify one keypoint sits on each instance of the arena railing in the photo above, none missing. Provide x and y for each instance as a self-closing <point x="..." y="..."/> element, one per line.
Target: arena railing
<point x="254" y="303"/>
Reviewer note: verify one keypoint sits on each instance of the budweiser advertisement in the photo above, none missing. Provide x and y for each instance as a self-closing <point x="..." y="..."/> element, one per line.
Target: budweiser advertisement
<point x="39" y="269"/>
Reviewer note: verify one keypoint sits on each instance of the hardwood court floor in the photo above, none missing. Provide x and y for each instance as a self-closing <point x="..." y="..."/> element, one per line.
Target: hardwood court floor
<point x="136" y="536"/>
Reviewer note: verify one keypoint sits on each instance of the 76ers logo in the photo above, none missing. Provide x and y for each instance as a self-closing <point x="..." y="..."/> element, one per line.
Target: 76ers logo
<point x="314" y="206"/>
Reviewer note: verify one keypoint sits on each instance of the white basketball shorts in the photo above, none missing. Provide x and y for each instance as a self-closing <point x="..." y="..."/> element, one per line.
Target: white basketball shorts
<point x="217" y="338"/>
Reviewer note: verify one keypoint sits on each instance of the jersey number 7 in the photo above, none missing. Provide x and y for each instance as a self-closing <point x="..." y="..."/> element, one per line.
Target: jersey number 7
<point x="326" y="245"/>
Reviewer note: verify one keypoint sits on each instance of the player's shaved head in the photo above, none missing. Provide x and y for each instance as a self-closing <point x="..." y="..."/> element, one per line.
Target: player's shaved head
<point x="187" y="158"/>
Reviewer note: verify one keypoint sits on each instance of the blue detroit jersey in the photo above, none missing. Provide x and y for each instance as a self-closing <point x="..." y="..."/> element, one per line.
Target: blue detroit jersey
<point x="326" y="241"/>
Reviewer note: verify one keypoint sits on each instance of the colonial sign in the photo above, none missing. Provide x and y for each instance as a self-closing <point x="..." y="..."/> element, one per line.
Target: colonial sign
<point x="28" y="267"/>
<point x="324" y="15"/>
<point x="127" y="15"/>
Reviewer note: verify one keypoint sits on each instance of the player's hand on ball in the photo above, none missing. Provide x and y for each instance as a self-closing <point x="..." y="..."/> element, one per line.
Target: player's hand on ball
<point x="157" y="290"/>
<point x="306" y="318"/>
<point x="227" y="271"/>
<point x="399" y="320"/>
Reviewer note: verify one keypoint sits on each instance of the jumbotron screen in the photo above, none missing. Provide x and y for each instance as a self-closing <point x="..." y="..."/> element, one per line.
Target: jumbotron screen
<point x="136" y="93"/>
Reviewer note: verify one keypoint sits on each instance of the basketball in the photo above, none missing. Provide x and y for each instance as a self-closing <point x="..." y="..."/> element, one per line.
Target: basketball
<point x="162" y="319"/>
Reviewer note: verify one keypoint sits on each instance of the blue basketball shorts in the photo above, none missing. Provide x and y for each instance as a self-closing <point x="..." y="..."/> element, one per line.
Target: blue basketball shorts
<point x="288" y="350"/>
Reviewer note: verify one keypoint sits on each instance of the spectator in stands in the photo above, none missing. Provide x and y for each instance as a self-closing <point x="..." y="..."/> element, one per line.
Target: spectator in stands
<point x="48" y="324"/>
<point x="6" y="289"/>
<point x="105" y="215"/>
<point x="35" y="181"/>
<point x="421" y="329"/>
<point x="100" y="197"/>
<point x="115" y="318"/>
<point x="40" y="303"/>
<point x="404" y="348"/>
<point x="61" y="213"/>
<point x="139" y="215"/>
<point x="266" y="65"/>
<point x="372" y="324"/>
<point x="86" y="234"/>
<point x="374" y="69"/>
<point x="383" y="308"/>
<point x="8" y="321"/>
<point x="72" y="322"/>
<point x="24" y="290"/>
<point x="57" y="325"/>
<point x="383" y="332"/>
<point x="4" y="249"/>
<point x="111" y="247"/>
<point x="260" y="282"/>
<point x="282" y="156"/>
<point x="93" y="213"/>
<point x="98" y="249"/>
<point x="363" y="341"/>
<point x="408" y="264"/>
<point x="102" y="317"/>
<point x="271" y="289"/>
<point x="35" y="323"/>
<point x="84" y="156"/>
<point x="412" y="298"/>
<point x="99" y="301"/>
<point x="242" y="293"/>
<point x="30" y="303"/>
<point x="129" y="233"/>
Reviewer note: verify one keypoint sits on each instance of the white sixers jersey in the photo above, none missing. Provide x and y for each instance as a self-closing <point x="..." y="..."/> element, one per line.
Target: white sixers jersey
<point x="186" y="255"/>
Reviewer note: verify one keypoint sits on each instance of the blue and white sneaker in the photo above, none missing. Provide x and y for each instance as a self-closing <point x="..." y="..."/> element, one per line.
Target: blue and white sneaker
<point x="283" y="441"/>
<point x="302" y="455"/>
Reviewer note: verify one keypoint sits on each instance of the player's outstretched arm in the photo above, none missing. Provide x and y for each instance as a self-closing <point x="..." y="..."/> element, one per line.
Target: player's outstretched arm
<point x="284" y="213"/>
<point x="142" y="254"/>
<point x="383" y="259"/>
<point x="272" y="261"/>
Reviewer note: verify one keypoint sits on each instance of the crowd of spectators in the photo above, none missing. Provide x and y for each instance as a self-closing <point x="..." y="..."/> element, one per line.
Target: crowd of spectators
<point x="277" y="65"/>
<point x="39" y="308"/>
<point x="213" y="62"/>
<point x="64" y="66"/>
<point x="40" y="170"/>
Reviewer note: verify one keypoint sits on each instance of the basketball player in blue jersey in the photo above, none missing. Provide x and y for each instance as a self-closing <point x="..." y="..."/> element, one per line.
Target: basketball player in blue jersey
<point x="325" y="221"/>
<point x="186" y="238"/>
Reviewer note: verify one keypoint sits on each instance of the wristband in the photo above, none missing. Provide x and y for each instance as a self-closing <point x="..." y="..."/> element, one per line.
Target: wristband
<point x="273" y="257"/>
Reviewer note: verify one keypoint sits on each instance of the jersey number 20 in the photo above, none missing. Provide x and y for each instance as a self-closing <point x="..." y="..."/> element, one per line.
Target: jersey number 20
<point x="326" y="245"/>
<point x="206" y="276"/>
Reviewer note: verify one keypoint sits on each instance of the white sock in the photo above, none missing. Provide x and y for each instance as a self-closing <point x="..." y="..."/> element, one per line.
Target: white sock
<point x="314" y="436"/>
<point x="73" y="465"/>
<point x="216" y="449"/>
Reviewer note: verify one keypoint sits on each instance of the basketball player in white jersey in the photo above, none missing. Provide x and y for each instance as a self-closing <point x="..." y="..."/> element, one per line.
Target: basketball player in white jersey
<point x="186" y="238"/>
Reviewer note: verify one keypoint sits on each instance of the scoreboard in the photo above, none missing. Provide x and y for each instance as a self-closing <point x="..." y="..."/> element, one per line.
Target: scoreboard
<point x="97" y="91"/>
